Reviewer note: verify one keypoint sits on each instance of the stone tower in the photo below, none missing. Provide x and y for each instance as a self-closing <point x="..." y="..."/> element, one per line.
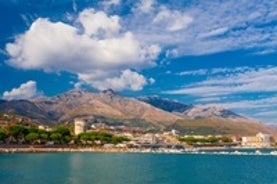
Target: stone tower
<point x="79" y="126"/>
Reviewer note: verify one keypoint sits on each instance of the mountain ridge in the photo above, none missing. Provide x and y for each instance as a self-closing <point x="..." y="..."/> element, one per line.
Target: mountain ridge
<point x="160" y="114"/>
<point x="66" y="106"/>
<point x="192" y="111"/>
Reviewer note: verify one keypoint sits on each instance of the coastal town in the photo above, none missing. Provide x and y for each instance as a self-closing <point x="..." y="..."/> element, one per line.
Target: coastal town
<point x="84" y="134"/>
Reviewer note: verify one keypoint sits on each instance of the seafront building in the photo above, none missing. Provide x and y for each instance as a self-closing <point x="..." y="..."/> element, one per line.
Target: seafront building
<point x="260" y="140"/>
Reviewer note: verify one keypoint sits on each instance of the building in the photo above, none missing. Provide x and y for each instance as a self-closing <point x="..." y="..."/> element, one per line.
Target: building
<point x="41" y="127"/>
<point x="148" y="138"/>
<point x="3" y="122"/>
<point x="260" y="140"/>
<point x="175" y="132"/>
<point x="79" y="126"/>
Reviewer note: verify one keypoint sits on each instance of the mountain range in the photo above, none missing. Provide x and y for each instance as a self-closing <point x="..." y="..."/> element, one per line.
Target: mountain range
<point x="191" y="111"/>
<point x="144" y="112"/>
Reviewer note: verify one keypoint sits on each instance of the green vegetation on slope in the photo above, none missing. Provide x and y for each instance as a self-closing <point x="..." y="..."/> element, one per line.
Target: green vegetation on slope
<point x="209" y="140"/>
<point x="101" y="137"/>
<point x="19" y="134"/>
<point x="214" y="126"/>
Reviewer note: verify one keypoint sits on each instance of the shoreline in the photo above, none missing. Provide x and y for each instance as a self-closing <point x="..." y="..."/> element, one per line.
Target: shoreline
<point x="117" y="150"/>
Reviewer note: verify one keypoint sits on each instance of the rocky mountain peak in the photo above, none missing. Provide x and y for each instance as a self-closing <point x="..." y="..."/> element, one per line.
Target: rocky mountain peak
<point x="108" y="92"/>
<point x="165" y="104"/>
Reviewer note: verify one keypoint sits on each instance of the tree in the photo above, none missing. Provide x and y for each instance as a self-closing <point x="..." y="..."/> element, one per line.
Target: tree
<point x="17" y="131"/>
<point x="57" y="137"/>
<point x="33" y="129"/>
<point x="3" y="135"/>
<point x="67" y="138"/>
<point x="62" y="130"/>
<point x="118" y="139"/>
<point x="43" y="136"/>
<point x="212" y="140"/>
<point x="31" y="137"/>
<point x="226" y="139"/>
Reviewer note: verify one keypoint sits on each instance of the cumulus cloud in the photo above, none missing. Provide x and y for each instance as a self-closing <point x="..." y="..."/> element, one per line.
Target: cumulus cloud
<point x="127" y="80"/>
<point x="24" y="91"/>
<point x="197" y="28"/>
<point x="99" y="24"/>
<point x="96" y="49"/>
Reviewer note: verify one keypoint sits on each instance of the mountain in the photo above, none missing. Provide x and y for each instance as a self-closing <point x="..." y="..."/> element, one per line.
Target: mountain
<point x="166" y="104"/>
<point x="191" y="111"/>
<point x="11" y="119"/>
<point x="77" y="103"/>
<point x="217" y="126"/>
<point x="23" y="108"/>
<point x="207" y="119"/>
<point x="199" y="112"/>
<point x="147" y="112"/>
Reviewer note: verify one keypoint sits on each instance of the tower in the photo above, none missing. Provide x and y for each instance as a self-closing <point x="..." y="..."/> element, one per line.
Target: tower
<point x="79" y="126"/>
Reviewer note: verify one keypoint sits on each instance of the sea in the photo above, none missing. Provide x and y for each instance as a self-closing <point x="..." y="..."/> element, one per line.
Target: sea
<point x="137" y="168"/>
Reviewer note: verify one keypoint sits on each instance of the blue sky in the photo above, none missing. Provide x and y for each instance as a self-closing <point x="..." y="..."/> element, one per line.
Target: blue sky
<point x="221" y="53"/>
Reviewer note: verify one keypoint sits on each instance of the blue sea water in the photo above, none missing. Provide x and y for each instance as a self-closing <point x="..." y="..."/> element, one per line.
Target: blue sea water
<point x="135" y="168"/>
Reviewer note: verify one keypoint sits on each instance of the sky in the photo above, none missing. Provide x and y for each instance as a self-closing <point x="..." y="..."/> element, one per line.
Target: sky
<point x="212" y="53"/>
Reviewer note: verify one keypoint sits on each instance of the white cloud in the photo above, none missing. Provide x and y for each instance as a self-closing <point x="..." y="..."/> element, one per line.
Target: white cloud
<point x="24" y="91"/>
<point x="144" y="6"/>
<point x="74" y="5"/>
<point x="151" y="80"/>
<point x="173" y="20"/>
<point x="209" y="27"/>
<point x="108" y="3"/>
<point x="97" y="50"/>
<point x="216" y="71"/>
<point x="258" y="104"/>
<point x="250" y="91"/>
<point x="244" y="80"/>
<point x="214" y="32"/>
<point x="127" y="80"/>
<point x="194" y="72"/>
<point x="263" y="109"/>
<point x="99" y="24"/>
<point x="208" y="99"/>
<point x="202" y="27"/>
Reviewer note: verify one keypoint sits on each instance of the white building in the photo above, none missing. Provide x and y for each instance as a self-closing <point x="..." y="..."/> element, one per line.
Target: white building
<point x="148" y="138"/>
<point x="79" y="126"/>
<point x="260" y="140"/>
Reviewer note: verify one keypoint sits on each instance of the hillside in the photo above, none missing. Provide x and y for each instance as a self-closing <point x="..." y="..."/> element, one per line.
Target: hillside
<point x="166" y="104"/>
<point x="215" y="126"/>
<point x="76" y="103"/>
<point x="207" y="119"/>
<point x="24" y="108"/>
<point x="113" y="109"/>
<point x="191" y="111"/>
